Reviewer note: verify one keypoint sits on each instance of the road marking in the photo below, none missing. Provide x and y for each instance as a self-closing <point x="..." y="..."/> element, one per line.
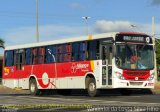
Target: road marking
<point x="89" y="100"/>
<point x="66" y="100"/>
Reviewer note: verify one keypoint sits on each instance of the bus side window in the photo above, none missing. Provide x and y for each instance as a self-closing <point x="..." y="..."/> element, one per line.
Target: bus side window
<point x="82" y="53"/>
<point x="34" y="56"/>
<point x="67" y="55"/>
<point x="49" y="58"/>
<point x="79" y="51"/>
<point x="60" y="53"/>
<point x="93" y="50"/>
<point x="9" y="58"/>
<point x="75" y="50"/>
<point x="19" y="56"/>
<point x="28" y="56"/>
<point x="41" y="52"/>
<point x="64" y="53"/>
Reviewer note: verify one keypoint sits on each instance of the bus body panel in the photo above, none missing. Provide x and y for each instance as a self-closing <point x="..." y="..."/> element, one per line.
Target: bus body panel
<point x="67" y="75"/>
<point x="72" y="74"/>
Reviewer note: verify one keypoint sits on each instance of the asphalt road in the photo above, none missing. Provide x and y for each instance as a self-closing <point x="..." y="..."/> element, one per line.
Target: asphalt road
<point x="113" y="102"/>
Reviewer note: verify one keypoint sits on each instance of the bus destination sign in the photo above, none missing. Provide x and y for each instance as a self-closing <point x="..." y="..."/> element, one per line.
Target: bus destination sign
<point x="134" y="38"/>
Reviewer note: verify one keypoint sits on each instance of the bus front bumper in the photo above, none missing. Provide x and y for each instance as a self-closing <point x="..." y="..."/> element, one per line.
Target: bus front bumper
<point x="133" y="84"/>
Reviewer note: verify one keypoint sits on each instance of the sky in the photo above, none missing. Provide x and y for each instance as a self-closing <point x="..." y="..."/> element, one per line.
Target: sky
<point x="63" y="18"/>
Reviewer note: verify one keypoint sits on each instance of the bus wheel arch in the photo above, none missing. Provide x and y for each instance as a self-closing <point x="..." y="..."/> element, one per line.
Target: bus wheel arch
<point x="90" y="85"/>
<point x="33" y="86"/>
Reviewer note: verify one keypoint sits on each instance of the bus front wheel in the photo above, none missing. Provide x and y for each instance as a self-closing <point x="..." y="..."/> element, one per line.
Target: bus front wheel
<point x="91" y="87"/>
<point x="33" y="87"/>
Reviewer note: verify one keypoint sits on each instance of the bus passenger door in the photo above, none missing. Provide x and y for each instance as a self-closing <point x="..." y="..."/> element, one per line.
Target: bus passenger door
<point x="106" y="56"/>
<point x="19" y="61"/>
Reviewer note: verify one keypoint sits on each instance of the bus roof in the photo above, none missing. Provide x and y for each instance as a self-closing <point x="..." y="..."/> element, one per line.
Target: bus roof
<point x="131" y="33"/>
<point x="69" y="40"/>
<point x="61" y="41"/>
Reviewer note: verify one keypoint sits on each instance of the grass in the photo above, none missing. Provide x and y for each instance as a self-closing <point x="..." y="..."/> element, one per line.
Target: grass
<point x="156" y="89"/>
<point x="6" y="90"/>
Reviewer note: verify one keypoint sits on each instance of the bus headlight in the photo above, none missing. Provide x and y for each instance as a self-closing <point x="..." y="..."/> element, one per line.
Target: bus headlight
<point x="151" y="77"/>
<point x="119" y="75"/>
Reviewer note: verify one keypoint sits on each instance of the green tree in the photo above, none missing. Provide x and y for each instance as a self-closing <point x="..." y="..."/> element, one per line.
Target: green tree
<point x="2" y="43"/>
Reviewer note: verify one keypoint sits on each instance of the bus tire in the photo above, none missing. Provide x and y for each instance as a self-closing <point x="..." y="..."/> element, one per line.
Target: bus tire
<point x="91" y="87"/>
<point x="33" y="87"/>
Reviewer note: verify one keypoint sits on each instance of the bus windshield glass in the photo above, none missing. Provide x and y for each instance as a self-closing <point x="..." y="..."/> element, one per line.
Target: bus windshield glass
<point x="134" y="56"/>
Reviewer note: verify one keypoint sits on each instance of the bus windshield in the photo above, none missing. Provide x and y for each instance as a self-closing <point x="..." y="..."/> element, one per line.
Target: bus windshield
<point x="134" y="56"/>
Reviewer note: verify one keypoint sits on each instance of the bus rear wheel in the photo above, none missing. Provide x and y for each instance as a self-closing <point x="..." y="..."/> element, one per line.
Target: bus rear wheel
<point x="91" y="87"/>
<point x="33" y="87"/>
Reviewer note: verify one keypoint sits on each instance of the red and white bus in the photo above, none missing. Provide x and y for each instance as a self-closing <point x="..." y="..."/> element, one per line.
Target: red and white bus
<point x="122" y="60"/>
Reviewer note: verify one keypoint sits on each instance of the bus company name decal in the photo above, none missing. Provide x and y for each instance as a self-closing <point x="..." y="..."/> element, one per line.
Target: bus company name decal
<point x="83" y="67"/>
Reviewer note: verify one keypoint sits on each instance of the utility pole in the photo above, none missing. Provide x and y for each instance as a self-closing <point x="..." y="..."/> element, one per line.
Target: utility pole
<point x="153" y="32"/>
<point x="154" y="43"/>
<point x="37" y="32"/>
<point x="86" y="19"/>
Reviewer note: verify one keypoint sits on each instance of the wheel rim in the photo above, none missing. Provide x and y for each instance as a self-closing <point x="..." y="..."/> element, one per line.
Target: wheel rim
<point x="33" y="87"/>
<point x="92" y="87"/>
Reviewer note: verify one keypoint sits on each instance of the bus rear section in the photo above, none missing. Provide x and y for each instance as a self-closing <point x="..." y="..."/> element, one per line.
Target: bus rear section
<point x="104" y="61"/>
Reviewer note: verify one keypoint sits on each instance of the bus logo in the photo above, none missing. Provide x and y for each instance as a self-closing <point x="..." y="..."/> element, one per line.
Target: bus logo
<point x="6" y="71"/>
<point x="136" y="78"/>
<point x="75" y="67"/>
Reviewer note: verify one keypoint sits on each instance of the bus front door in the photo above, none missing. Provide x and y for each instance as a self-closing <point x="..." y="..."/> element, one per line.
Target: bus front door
<point x="106" y="56"/>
